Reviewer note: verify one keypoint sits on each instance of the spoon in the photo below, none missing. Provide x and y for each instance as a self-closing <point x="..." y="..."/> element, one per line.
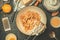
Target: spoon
<point x="52" y="35"/>
<point x="37" y="2"/>
<point x="36" y="32"/>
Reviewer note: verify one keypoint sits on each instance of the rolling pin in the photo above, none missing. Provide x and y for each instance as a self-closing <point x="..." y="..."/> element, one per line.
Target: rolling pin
<point x="55" y="13"/>
<point x="37" y="2"/>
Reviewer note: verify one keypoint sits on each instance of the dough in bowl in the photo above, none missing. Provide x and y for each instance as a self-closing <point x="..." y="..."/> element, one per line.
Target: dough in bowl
<point x="31" y="20"/>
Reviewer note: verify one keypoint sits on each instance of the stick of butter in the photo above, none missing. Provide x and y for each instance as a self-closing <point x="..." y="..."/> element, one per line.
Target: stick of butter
<point x="26" y="1"/>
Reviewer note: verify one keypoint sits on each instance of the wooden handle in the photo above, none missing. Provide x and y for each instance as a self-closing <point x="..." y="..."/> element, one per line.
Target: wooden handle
<point x="55" y="13"/>
<point x="36" y="3"/>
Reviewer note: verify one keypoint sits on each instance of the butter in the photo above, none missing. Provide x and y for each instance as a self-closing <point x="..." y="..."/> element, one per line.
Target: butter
<point x="26" y="1"/>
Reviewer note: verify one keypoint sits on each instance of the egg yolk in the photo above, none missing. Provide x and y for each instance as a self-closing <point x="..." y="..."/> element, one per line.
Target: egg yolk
<point x="6" y="8"/>
<point x="12" y="38"/>
<point x="55" y="22"/>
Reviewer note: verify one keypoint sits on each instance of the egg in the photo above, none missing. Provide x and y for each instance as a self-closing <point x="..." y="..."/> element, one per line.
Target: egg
<point x="11" y="36"/>
<point x="55" y="22"/>
<point x="6" y="8"/>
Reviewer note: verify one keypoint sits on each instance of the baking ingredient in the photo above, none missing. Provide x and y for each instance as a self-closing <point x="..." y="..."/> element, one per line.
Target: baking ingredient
<point x="55" y="22"/>
<point x="51" y="5"/>
<point x="11" y="36"/>
<point x="26" y="1"/>
<point x="30" y="19"/>
<point x="5" y="0"/>
<point x="6" y="8"/>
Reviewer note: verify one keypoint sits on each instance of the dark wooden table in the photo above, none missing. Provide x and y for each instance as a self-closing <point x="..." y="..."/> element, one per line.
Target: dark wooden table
<point x="20" y="36"/>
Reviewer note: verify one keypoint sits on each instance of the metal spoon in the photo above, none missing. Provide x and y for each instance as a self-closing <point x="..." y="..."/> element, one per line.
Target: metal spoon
<point x="52" y="35"/>
<point x="35" y="31"/>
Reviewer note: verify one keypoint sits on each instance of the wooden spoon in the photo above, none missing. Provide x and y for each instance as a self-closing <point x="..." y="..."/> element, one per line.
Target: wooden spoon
<point x="37" y="2"/>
